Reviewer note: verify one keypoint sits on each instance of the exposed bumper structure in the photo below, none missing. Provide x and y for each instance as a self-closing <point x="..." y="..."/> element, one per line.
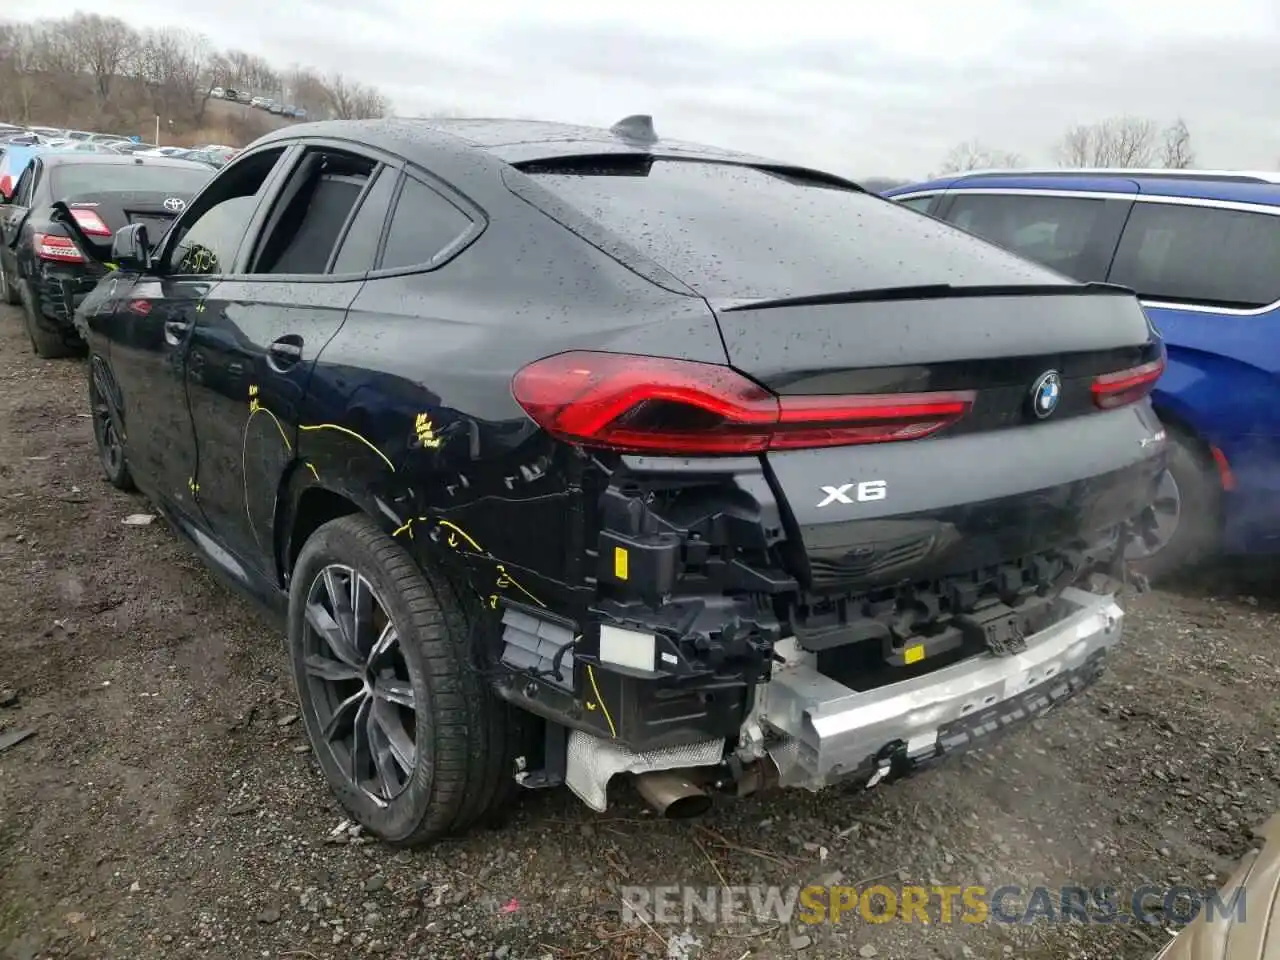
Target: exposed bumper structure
<point x="818" y="731"/>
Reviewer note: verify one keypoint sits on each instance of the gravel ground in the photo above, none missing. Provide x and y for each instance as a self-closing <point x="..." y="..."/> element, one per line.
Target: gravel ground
<point x="167" y="805"/>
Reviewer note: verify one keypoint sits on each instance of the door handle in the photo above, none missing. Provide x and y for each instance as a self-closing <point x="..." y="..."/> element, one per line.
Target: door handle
<point x="284" y="352"/>
<point x="175" y="330"/>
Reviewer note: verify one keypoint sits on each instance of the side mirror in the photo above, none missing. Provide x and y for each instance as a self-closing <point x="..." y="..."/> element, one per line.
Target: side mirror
<point x="130" y="249"/>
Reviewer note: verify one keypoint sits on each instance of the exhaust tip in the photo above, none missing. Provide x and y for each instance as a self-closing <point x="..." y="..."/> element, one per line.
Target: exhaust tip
<point x="687" y="808"/>
<point x="672" y="794"/>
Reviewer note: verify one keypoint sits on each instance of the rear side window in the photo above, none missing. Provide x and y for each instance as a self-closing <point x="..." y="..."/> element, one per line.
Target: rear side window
<point x="1194" y="254"/>
<point x="360" y="246"/>
<point x="729" y="230"/>
<point x="1055" y="231"/>
<point x="424" y="224"/>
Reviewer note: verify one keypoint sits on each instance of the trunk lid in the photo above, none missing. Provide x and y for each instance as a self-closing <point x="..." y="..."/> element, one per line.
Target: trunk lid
<point x="101" y="213"/>
<point x="1003" y="481"/>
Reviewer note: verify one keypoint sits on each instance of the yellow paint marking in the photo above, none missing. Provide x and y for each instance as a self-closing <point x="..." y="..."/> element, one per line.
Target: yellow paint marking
<point x="312" y="468"/>
<point x="591" y="675"/>
<point x="353" y="434"/>
<point x="460" y="532"/>
<point x="913" y="653"/>
<point x="620" y="563"/>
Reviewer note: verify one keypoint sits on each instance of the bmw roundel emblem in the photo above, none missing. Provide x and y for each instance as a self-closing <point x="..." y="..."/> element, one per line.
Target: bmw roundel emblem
<point x="1045" y="394"/>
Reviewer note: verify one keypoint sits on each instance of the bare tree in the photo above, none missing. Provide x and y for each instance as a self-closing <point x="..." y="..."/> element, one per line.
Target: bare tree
<point x="973" y="155"/>
<point x="349" y="100"/>
<point x="96" y="72"/>
<point x="1114" y="142"/>
<point x="1175" y="151"/>
<point x="104" y="45"/>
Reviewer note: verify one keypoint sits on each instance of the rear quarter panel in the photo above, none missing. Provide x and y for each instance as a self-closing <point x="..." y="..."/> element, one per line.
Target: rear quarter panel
<point x="419" y="378"/>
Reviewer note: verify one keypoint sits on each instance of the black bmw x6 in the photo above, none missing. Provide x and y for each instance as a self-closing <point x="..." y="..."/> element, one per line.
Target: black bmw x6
<point x="570" y="453"/>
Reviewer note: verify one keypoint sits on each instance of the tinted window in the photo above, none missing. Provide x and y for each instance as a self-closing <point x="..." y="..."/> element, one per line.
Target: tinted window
<point x="1052" y="230"/>
<point x="70" y="179"/>
<point x="728" y="230"/>
<point x="422" y="226"/>
<point x="360" y="245"/>
<point x="22" y="192"/>
<point x="1197" y="254"/>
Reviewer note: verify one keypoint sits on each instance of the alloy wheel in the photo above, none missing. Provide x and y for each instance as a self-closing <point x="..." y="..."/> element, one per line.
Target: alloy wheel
<point x="110" y="447"/>
<point x="359" y="684"/>
<point x="1159" y="522"/>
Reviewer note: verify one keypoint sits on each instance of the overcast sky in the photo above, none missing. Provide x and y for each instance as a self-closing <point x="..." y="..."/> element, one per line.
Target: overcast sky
<point x="886" y="92"/>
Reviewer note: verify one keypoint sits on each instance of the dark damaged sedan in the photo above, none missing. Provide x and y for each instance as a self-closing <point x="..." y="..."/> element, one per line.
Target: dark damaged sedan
<point x="572" y="453"/>
<point x="42" y="268"/>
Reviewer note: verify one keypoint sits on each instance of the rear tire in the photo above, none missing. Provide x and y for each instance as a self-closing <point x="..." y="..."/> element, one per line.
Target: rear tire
<point x="46" y="344"/>
<point x="459" y="767"/>
<point x="8" y="293"/>
<point x="1193" y="492"/>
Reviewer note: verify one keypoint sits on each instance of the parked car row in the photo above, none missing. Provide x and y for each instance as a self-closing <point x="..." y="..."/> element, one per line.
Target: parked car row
<point x="42" y="268"/>
<point x="214" y="155"/>
<point x="269" y="104"/>
<point x="1200" y="248"/>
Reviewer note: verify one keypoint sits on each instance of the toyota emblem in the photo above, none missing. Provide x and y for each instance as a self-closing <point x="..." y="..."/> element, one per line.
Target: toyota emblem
<point x="175" y="204"/>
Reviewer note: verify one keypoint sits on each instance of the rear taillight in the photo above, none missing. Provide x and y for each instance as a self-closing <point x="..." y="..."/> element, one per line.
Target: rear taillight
<point x="1111" y="390"/>
<point x="651" y="404"/>
<point x="90" y="222"/>
<point x="57" y="249"/>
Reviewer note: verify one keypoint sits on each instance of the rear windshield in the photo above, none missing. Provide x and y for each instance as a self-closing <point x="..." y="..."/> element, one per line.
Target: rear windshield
<point x="70" y="179"/>
<point x="733" y="231"/>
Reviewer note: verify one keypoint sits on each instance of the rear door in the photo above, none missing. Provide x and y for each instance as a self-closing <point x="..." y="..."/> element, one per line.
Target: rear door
<point x="257" y="339"/>
<point x="1072" y="231"/>
<point x="1207" y="275"/>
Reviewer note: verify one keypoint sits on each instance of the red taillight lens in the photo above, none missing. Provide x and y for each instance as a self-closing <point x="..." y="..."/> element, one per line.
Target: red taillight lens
<point x="90" y="223"/>
<point x="1111" y="390"/>
<point x="651" y="404"/>
<point x="57" y="249"/>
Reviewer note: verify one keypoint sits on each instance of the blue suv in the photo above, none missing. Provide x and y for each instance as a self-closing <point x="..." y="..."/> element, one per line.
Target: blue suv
<point x="1202" y="251"/>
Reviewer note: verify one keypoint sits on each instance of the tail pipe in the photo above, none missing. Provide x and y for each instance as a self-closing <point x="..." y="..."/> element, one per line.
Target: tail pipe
<point x="673" y="794"/>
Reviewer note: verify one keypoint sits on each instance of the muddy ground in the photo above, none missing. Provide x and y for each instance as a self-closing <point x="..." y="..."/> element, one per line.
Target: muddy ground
<point x="167" y="806"/>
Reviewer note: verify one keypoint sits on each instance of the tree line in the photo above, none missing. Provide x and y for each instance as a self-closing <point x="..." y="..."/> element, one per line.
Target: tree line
<point x="97" y="72"/>
<point x="1124" y="141"/>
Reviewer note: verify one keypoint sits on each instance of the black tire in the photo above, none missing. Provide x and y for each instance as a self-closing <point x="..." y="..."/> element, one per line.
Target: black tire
<point x="8" y="292"/>
<point x="105" y="435"/>
<point x="1195" y="494"/>
<point x="466" y="739"/>
<point x="47" y="344"/>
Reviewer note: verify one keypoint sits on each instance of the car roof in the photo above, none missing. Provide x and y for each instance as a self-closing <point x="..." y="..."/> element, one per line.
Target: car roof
<point x="1228" y="186"/>
<point x="510" y="141"/>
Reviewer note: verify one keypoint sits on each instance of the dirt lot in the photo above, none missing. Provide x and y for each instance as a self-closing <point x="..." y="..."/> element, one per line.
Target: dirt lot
<point x="167" y="807"/>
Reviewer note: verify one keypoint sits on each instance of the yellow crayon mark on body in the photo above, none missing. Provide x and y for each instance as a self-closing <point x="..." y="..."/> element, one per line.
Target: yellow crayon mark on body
<point x="425" y="430"/>
<point x="591" y="675"/>
<point x="312" y="468"/>
<point x="352" y="434"/>
<point x="913" y="653"/>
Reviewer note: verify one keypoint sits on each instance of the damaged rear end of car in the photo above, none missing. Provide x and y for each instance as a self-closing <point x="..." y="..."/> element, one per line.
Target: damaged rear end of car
<point x="889" y="525"/>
